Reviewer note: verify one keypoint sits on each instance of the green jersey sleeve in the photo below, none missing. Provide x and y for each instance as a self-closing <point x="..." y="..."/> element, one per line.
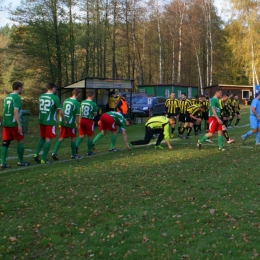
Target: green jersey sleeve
<point x="119" y="119"/>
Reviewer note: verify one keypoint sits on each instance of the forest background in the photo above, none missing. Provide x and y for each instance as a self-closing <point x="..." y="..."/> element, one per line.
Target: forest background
<point x="180" y="41"/>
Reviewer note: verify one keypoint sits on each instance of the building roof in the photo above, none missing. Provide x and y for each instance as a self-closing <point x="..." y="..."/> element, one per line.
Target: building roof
<point x="167" y="84"/>
<point x="230" y="85"/>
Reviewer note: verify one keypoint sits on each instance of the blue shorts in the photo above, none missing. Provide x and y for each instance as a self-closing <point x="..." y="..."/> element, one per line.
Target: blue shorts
<point x="254" y="123"/>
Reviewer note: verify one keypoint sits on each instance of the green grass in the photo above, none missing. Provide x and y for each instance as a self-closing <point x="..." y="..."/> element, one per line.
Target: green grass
<point x="139" y="204"/>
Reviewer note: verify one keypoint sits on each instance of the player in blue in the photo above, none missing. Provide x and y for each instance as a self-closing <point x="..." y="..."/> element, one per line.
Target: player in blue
<point x="254" y="119"/>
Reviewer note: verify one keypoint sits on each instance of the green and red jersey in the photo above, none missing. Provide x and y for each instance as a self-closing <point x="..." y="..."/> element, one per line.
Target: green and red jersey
<point x="87" y="109"/>
<point x="71" y="108"/>
<point x="214" y="103"/>
<point x="48" y="106"/>
<point x="119" y="119"/>
<point x="12" y="101"/>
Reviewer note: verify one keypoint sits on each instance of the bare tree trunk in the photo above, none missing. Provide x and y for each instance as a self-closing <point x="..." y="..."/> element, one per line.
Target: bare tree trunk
<point x="173" y="60"/>
<point x="160" y="50"/>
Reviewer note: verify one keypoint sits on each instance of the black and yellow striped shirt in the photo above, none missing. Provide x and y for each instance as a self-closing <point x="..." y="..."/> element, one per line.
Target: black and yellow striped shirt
<point x="195" y="101"/>
<point x="235" y="105"/>
<point x="205" y="103"/>
<point x="184" y="104"/>
<point x="172" y="106"/>
<point x="194" y="110"/>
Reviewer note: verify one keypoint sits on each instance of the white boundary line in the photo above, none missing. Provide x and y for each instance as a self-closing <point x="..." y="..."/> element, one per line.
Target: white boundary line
<point x="99" y="154"/>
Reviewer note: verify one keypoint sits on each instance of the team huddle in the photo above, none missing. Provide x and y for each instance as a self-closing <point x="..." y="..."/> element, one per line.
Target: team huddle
<point x="217" y="114"/>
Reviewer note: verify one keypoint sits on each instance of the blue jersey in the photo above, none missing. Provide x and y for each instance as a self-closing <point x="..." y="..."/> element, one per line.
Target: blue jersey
<point x="256" y="104"/>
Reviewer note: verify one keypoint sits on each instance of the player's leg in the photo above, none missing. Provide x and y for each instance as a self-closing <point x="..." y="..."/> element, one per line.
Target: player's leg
<point x="212" y="129"/>
<point x="238" y="118"/>
<point x="6" y="137"/>
<point x="231" y="119"/>
<point x="149" y="132"/>
<point x="159" y="139"/>
<point x="63" y="134"/>
<point x="20" y="153"/>
<point x="253" y="126"/>
<point x="40" y="144"/>
<point x="90" y="133"/>
<point x="220" y="139"/>
<point x="50" y="134"/>
<point x="99" y="136"/>
<point x="189" y="129"/>
<point x="82" y="133"/>
<point x="257" y="139"/>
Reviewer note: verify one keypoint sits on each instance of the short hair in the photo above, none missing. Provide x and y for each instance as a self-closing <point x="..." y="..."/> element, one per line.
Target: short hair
<point x="130" y="121"/>
<point x="202" y="96"/>
<point x="75" y="91"/>
<point x="204" y="107"/>
<point x="90" y="93"/>
<point x="16" y="85"/>
<point x="172" y="118"/>
<point x="184" y="94"/>
<point x="224" y="95"/>
<point x="196" y="96"/>
<point x="218" y="90"/>
<point x="51" y="86"/>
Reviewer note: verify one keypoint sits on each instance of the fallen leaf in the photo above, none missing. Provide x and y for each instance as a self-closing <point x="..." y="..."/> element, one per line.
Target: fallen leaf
<point x="212" y="211"/>
<point x="13" y="239"/>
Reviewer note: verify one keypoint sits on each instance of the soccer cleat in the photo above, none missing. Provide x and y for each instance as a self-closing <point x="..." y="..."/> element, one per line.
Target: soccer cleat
<point x="196" y="133"/>
<point x="243" y="139"/>
<point x="230" y="127"/>
<point x="199" y="145"/>
<point x="209" y="140"/>
<point x="221" y="149"/>
<point x="130" y="146"/>
<point x="3" y="166"/>
<point x="36" y="158"/>
<point x="235" y="125"/>
<point x="90" y="153"/>
<point x="113" y="150"/>
<point x="45" y="162"/>
<point x="54" y="156"/>
<point x="187" y="137"/>
<point x="159" y="147"/>
<point x="23" y="164"/>
<point x="76" y="156"/>
<point x="230" y="141"/>
<point x="180" y="136"/>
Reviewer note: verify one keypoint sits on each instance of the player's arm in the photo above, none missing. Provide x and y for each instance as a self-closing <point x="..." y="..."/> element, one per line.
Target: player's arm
<point x="61" y="114"/>
<point x="195" y="117"/>
<point x="17" y="118"/>
<point x="166" y="133"/>
<point x="125" y="138"/>
<point x="254" y="112"/>
<point x="215" y="115"/>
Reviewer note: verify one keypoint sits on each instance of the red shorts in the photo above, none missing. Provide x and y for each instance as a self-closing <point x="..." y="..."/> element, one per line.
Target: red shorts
<point x="11" y="133"/>
<point x="48" y="131"/>
<point x="66" y="132"/>
<point x="86" y="127"/>
<point x="107" y="122"/>
<point x="214" y="125"/>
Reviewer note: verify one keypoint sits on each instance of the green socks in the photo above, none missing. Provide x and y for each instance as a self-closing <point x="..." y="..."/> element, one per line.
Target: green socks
<point x="203" y="138"/>
<point x="20" y="152"/>
<point x="78" y="142"/>
<point x="98" y="136"/>
<point x="112" y="142"/>
<point x="220" y="142"/>
<point x="3" y="154"/>
<point x="57" y="146"/>
<point x="73" y="147"/>
<point x="40" y="145"/>
<point x="90" y="144"/>
<point x="46" y="149"/>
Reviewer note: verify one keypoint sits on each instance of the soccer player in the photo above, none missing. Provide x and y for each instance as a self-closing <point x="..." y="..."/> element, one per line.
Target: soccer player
<point x="224" y="116"/>
<point x="236" y="109"/>
<point x="193" y="118"/>
<point x="71" y="109"/>
<point x="196" y="100"/>
<point x="49" y="105"/>
<point x="12" y="128"/>
<point x="184" y="104"/>
<point x="109" y="122"/>
<point x="254" y="119"/>
<point x="229" y="104"/>
<point x="88" y="110"/>
<point x="172" y="109"/>
<point x="157" y="125"/>
<point x="215" y="123"/>
<point x="205" y="114"/>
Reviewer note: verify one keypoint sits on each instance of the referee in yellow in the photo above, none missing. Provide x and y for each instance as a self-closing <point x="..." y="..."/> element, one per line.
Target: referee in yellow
<point x="172" y="109"/>
<point x="157" y="125"/>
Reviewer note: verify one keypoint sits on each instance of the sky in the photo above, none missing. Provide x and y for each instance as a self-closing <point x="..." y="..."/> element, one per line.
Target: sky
<point x="220" y="4"/>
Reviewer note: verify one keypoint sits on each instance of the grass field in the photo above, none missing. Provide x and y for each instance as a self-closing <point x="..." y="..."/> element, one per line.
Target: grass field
<point x="139" y="204"/>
